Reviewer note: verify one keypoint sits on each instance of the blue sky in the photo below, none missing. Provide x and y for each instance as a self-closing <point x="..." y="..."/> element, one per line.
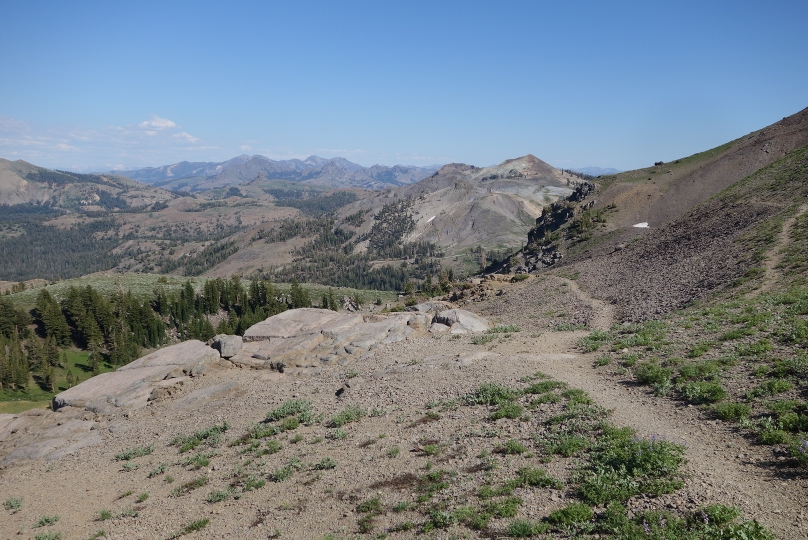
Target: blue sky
<point x="89" y="85"/>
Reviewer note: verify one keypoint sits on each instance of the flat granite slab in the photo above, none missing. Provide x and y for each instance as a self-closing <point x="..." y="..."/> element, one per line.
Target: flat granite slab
<point x="131" y="385"/>
<point x="292" y="323"/>
<point x="186" y="353"/>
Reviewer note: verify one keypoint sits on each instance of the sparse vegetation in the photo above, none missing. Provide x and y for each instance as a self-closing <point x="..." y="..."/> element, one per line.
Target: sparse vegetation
<point x="131" y="453"/>
<point x="46" y="521"/>
<point x="347" y="416"/>
<point x="211" y="436"/>
<point x="189" y="486"/>
<point x="13" y="504"/>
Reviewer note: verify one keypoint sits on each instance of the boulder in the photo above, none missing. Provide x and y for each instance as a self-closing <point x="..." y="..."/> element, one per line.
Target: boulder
<point x="366" y="335"/>
<point x="39" y="433"/>
<point x="131" y="385"/>
<point x="210" y="396"/>
<point x="430" y="307"/>
<point x="420" y="321"/>
<point x="461" y="321"/>
<point x="187" y="353"/>
<point x="291" y="323"/>
<point x="438" y="328"/>
<point x="228" y="346"/>
<point x="103" y="391"/>
<point x="289" y="351"/>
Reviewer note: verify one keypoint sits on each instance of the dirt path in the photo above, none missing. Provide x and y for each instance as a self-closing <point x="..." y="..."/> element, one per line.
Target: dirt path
<point x="725" y="468"/>
<point x="604" y="314"/>
<point x="772" y="274"/>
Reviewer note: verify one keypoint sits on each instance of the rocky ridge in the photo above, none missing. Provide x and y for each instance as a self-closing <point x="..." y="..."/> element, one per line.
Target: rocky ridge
<point x="303" y="342"/>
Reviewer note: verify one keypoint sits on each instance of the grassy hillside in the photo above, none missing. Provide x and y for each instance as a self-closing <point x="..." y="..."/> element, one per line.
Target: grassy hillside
<point x="143" y="285"/>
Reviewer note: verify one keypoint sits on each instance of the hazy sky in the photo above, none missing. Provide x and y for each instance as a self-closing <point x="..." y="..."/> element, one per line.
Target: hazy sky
<point x="89" y="85"/>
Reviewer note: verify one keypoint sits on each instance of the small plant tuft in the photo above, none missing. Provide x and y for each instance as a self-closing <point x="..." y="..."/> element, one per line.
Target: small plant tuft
<point x="46" y="521"/>
<point x="131" y="453"/>
<point x="13" y="504"/>
<point x="347" y="416"/>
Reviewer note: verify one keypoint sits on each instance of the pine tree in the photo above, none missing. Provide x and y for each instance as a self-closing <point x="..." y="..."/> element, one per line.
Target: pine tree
<point x="6" y="375"/>
<point x="36" y="354"/>
<point x="11" y="318"/>
<point x="160" y="301"/>
<point x="426" y="288"/>
<point x="19" y="365"/>
<point x="299" y="296"/>
<point x="443" y="281"/>
<point x="49" y="315"/>
<point x="51" y="353"/>
<point x="49" y="379"/>
<point x="332" y="301"/>
<point x="95" y="362"/>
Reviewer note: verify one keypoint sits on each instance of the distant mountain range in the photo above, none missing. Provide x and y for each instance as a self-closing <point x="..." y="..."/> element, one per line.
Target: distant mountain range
<point x="335" y="172"/>
<point x="597" y="171"/>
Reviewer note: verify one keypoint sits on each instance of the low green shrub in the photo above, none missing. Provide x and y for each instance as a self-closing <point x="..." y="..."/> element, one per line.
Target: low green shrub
<point x="506" y="507"/>
<point x="573" y="514"/>
<point x="594" y="341"/>
<point x="623" y="465"/>
<point x="45" y="521"/>
<point x="514" y="447"/>
<point x="758" y="348"/>
<point x="693" y="371"/>
<point x="282" y="473"/>
<point x="700" y="392"/>
<point x="490" y="394"/>
<point x="218" y="496"/>
<point x="482" y="339"/>
<point x="130" y="453"/>
<point x="651" y="373"/>
<point x="325" y="464"/>
<point x="13" y="504"/>
<point x="799" y="451"/>
<point x="370" y="506"/>
<point x="211" y="436"/>
<point x="770" y="388"/>
<point x="774" y="436"/>
<point x="533" y="477"/>
<point x="503" y="329"/>
<point x="731" y="411"/>
<point x="348" y="415"/>
<point x="567" y="445"/>
<point x="508" y="409"/>
<point x="603" y="361"/>
<point x="544" y="387"/>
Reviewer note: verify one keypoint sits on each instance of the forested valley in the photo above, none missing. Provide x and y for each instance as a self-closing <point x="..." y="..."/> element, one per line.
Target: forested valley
<point x="331" y="257"/>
